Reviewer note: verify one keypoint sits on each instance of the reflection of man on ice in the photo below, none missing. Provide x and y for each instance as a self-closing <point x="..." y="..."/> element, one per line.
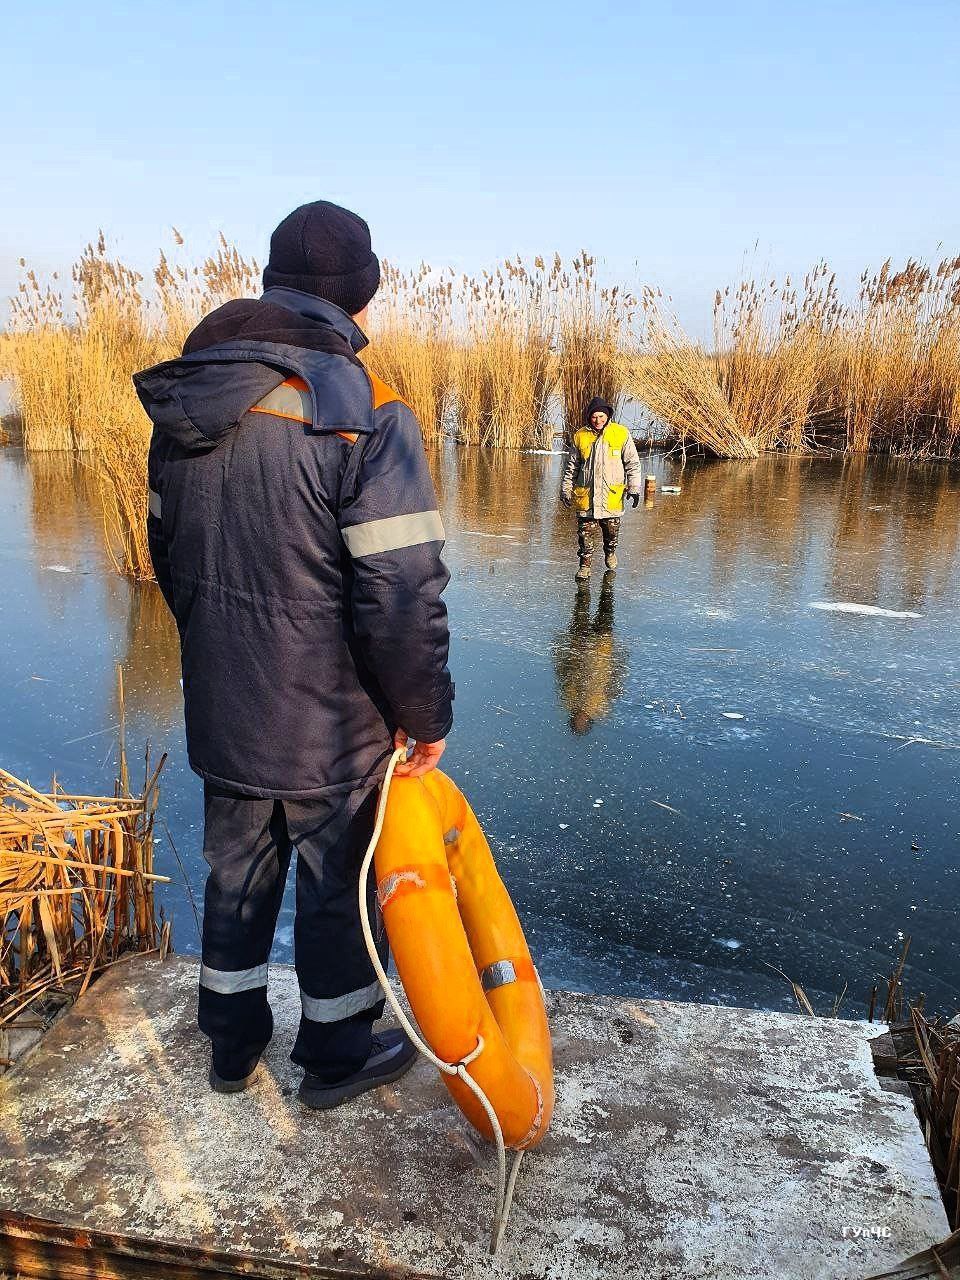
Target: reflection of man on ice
<point x="589" y="661"/>
<point x="603" y="468"/>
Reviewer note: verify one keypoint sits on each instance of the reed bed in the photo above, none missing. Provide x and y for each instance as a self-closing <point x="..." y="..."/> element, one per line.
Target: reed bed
<point x="76" y="888"/>
<point x="933" y="1071"/>
<point x="71" y="358"/>
<point x="507" y="358"/>
<point x="798" y="369"/>
<point x="596" y="338"/>
<point x="412" y="347"/>
<point x="504" y="371"/>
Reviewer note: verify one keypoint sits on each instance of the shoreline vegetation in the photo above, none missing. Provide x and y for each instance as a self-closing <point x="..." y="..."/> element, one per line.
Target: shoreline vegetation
<point x="507" y="359"/>
<point x="76" y="891"/>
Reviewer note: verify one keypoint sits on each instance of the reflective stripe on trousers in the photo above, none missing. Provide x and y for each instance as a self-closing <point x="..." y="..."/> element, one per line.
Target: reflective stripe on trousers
<point x="248" y="843"/>
<point x="228" y="981"/>
<point x="334" y="1008"/>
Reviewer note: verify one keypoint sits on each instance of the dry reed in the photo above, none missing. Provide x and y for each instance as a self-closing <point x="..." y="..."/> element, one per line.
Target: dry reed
<point x="798" y="369"/>
<point x="595" y="325"/>
<point x="71" y="362"/>
<point x="503" y="370"/>
<point x="411" y="347"/>
<point x="488" y="359"/>
<point x="76" y="888"/>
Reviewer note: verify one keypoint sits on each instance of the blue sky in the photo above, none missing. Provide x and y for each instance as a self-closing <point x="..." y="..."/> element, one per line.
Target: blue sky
<point x="668" y="139"/>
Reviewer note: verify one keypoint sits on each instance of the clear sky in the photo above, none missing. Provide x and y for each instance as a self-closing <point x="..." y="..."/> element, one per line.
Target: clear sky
<point x="673" y="136"/>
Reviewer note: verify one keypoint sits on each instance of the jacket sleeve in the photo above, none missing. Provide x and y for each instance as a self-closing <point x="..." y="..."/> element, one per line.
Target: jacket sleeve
<point x="156" y="540"/>
<point x="631" y="466"/>
<point x="394" y="536"/>
<point x="569" y="472"/>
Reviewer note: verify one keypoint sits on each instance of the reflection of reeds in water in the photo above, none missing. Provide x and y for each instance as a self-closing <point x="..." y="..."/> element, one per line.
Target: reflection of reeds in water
<point x="897" y="533"/>
<point x="63" y="492"/>
<point x="762" y="515"/>
<point x="76" y="888"/>
<point x="889" y="530"/>
<point x="151" y="656"/>
<point x="489" y="491"/>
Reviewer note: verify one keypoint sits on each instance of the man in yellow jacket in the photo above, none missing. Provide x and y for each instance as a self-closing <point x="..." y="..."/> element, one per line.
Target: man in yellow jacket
<point x="603" y="468"/>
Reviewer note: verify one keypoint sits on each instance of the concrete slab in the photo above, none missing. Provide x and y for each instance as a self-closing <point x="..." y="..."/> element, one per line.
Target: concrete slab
<point x="689" y="1140"/>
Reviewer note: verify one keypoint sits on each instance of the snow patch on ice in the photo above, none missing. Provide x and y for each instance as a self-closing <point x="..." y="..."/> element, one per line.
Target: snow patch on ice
<point x="58" y="568"/>
<point x="870" y="610"/>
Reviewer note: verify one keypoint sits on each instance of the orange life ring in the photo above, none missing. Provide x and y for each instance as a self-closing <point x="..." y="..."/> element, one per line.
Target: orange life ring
<point x="462" y="957"/>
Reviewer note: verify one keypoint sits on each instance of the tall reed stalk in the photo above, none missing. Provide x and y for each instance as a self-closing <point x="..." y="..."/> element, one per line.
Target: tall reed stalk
<point x="595" y="332"/>
<point x="71" y="362"/>
<point x="503" y="369"/>
<point x="411" y="347"/>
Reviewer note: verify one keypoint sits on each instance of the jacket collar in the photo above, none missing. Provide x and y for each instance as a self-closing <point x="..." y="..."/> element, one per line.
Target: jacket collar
<point x="313" y="308"/>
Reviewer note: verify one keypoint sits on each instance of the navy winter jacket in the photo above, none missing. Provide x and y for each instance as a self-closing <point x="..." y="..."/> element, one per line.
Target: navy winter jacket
<point x="294" y="531"/>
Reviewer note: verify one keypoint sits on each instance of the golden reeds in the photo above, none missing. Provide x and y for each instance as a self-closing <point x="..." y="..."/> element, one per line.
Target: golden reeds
<point x="489" y="359"/>
<point x="76" y="888"/>
<point x="71" y="361"/>
<point x="595" y="336"/>
<point x="411" y="347"/>
<point x="503" y="370"/>
<point x="798" y="369"/>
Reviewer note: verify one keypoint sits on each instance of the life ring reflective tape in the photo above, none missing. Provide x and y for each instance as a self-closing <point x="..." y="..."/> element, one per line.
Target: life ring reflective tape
<point x="462" y="957"/>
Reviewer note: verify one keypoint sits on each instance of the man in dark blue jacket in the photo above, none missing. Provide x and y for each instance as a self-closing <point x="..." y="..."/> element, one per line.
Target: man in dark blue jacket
<point x="295" y="535"/>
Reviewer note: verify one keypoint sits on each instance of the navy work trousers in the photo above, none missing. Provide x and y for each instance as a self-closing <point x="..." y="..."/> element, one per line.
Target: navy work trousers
<point x="248" y="843"/>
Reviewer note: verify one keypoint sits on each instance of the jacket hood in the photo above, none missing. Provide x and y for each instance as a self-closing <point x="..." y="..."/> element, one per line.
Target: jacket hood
<point x="597" y="405"/>
<point x="237" y="355"/>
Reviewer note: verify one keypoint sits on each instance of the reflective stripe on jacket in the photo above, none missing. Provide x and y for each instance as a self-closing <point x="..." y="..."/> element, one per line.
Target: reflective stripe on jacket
<point x="600" y="470"/>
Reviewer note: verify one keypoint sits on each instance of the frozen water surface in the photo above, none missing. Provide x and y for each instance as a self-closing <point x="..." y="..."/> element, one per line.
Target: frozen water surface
<point x="654" y="844"/>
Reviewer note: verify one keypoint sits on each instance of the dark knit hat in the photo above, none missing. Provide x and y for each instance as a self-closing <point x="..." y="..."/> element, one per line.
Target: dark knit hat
<point x="597" y="405"/>
<point x="324" y="250"/>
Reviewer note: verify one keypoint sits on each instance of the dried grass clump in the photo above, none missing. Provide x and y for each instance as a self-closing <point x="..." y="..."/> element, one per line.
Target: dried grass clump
<point x="677" y="381"/>
<point x="799" y="370"/>
<point x="936" y="1086"/>
<point x="76" y="888"/>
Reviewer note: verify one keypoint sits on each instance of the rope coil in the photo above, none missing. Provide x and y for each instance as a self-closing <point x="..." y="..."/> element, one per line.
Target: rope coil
<point x="505" y="1185"/>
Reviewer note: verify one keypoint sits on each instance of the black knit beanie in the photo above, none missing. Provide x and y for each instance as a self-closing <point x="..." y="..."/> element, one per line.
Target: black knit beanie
<point x="324" y="250"/>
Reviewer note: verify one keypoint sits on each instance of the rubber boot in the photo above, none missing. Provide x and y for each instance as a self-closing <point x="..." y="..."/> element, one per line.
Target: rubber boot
<point x="583" y="573"/>
<point x="611" y="561"/>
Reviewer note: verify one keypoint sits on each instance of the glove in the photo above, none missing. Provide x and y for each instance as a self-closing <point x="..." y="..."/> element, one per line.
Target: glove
<point x="635" y="499"/>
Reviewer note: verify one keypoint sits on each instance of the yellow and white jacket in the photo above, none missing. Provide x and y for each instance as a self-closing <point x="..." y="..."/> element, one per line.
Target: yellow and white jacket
<point x="602" y="468"/>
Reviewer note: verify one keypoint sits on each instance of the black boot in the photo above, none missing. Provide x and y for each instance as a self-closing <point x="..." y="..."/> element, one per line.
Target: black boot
<point x="391" y="1056"/>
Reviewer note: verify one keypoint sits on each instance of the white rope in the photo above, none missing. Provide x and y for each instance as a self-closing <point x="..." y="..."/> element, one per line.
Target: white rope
<point x="505" y="1188"/>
